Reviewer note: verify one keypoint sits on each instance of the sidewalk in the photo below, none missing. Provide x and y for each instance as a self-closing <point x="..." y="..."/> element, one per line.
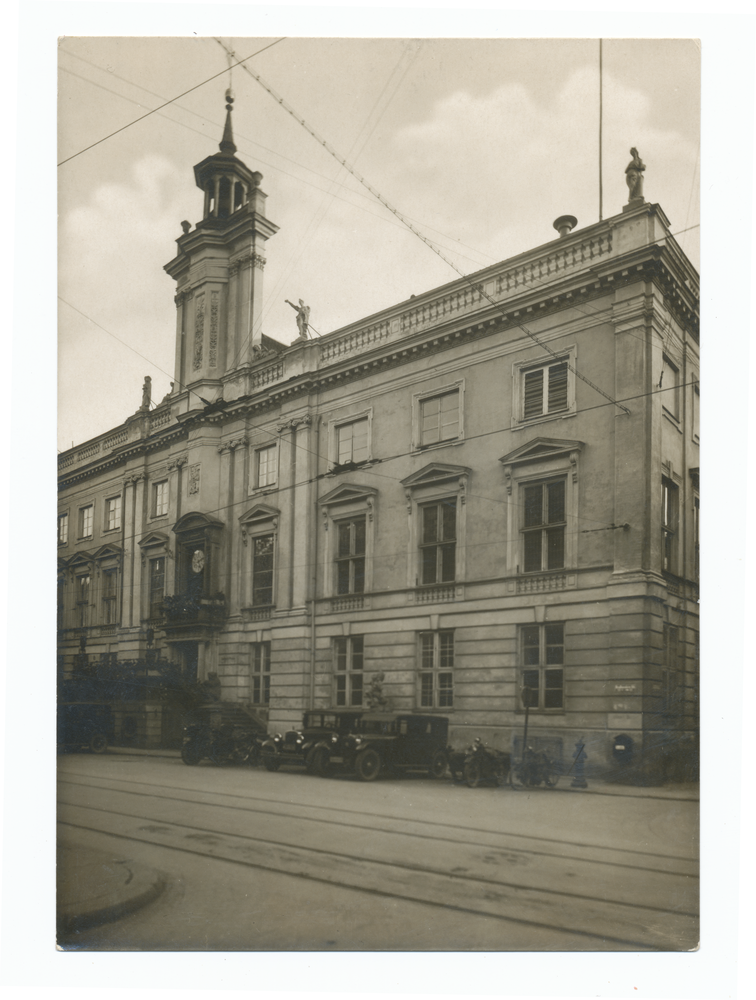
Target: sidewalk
<point x="596" y="785"/>
<point x="96" y="887"/>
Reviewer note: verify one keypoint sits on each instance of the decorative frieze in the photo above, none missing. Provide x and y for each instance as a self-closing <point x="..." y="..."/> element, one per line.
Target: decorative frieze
<point x="213" y="345"/>
<point x="193" y="485"/>
<point x="199" y="329"/>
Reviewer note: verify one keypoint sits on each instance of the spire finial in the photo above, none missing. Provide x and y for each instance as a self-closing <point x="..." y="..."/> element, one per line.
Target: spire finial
<point x="227" y="142"/>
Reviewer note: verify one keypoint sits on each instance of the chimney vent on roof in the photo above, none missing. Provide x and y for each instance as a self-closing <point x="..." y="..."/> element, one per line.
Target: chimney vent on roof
<point x="565" y="224"/>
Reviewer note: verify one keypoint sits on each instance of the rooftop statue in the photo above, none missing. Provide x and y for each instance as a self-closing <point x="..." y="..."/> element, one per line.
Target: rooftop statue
<point x="634" y="176"/>
<point x="303" y="318"/>
<point x="146" y="393"/>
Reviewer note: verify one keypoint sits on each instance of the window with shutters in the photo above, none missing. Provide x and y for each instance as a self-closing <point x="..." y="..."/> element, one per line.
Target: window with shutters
<point x="544" y="389"/>
<point x="438" y="541"/>
<point x="436" y="669"/>
<point x="542" y="667"/>
<point x="350" y="556"/>
<point x="348" y="652"/>
<point x="543" y="526"/>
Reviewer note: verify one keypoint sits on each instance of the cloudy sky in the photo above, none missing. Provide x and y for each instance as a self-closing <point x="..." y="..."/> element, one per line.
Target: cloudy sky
<point x="480" y="143"/>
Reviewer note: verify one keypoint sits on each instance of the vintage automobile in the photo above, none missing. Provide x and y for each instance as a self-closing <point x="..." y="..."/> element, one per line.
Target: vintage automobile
<point x="85" y="726"/>
<point x="395" y="741"/>
<point x="309" y="746"/>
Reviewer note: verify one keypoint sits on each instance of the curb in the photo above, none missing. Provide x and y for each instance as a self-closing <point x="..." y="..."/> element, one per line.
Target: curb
<point x="74" y="922"/>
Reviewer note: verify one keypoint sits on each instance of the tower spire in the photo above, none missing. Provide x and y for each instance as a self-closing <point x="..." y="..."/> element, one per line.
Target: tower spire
<point x="227" y="142"/>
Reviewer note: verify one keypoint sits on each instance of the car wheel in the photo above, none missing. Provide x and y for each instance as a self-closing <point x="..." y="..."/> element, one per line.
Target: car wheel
<point x="438" y="765"/>
<point x="321" y="762"/>
<point x="472" y="773"/>
<point x="98" y="743"/>
<point x="190" y="753"/>
<point x="270" y="762"/>
<point x="368" y="765"/>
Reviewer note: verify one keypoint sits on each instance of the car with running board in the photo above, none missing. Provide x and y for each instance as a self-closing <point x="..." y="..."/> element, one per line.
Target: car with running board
<point x="300" y="746"/>
<point x="395" y="742"/>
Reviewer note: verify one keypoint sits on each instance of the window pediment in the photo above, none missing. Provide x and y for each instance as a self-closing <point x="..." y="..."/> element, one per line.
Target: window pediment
<point x="81" y="559"/>
<point x="539" y="449"/>
<point x="348" y="493"/>
<point x="196" y="521"/>
<point x="108" y="552"/>
<point x="153" y="540"/>
<point x="436" y="473"/>
<point x="260" y="514"/>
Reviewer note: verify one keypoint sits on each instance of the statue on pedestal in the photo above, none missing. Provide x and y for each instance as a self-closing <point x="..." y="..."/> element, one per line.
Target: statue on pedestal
<point x="303" y="318"/>
<point x="634" y="176"/>
<point x="146" y="393"/>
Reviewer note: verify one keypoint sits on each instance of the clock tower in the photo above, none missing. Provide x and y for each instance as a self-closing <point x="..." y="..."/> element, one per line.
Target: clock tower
<point x="219" y="273"/>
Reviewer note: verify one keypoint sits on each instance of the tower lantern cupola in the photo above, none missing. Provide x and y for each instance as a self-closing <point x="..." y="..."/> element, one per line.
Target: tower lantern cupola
<point x="219" y="271"/>
<point x="228" y="183"/>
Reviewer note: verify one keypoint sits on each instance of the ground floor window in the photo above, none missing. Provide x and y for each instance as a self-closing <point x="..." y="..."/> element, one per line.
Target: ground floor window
<point x="542" y="659"/>
<point x="348" y="669"/>
<point x="260" y="669"/>
<point x="436" y="669"/>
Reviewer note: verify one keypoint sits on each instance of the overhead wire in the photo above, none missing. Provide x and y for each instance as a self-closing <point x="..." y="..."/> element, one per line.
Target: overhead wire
<point x="171" y="101"/>
<point x="242" y="138"/>
<point x="475" y="285"/>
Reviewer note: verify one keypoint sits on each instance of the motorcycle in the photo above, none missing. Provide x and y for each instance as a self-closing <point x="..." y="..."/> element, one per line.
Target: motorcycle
<point x="227" y="744"/>
<point x="484" y="763"/>
<point x="535" y="768"/>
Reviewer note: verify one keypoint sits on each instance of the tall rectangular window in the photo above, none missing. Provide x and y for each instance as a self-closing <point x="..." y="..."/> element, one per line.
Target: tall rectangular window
<point x="544" y="523"/>
<point x="671" y="680"/>
<point x="82" y="600"/>
<point x="696" y="536"/>
<point x="110" y="596"/>
<point x="86" y="521"/>
<point x="670" y="387"/>
<point x="438" y="533"/>
<point x="266" y="466"/>
<point x="348" y="669"/>
<point x="160" y="499"/>
<point x="262" y="569"/>
<point x="669" y="525"/>
<point x="439" y="418"/>
<point x="157" y="586"/>
<point x="542" y="659"/>
<point x="62" y="529"/>
<point x="350" y="556"/>
<point x="545" y="390"/>
<point x="112" y="513"/>
<point x="352" y="442"/>
<point x="260" y="673"/>
<point x="436" y="673"/>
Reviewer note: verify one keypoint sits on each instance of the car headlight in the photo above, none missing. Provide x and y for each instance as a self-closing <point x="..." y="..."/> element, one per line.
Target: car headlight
<point x="334" y="738"/>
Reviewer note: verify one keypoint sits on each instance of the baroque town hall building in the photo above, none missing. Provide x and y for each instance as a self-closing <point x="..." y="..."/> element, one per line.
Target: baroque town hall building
<point x="437" y="493"/>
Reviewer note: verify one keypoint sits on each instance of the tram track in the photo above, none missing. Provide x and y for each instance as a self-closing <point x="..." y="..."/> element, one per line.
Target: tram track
<point x="471" y="871"/>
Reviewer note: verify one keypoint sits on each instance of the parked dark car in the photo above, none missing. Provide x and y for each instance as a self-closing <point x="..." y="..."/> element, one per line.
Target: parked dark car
<point x="85" y="726"/>
<point x="396" y="741"/>
<point x="309" y="746"/>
